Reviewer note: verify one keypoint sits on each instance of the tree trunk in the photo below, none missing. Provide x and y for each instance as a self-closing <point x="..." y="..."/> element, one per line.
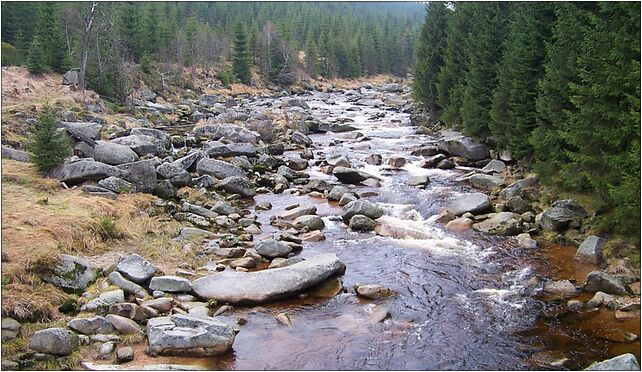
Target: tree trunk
<point x="85" y="47"/>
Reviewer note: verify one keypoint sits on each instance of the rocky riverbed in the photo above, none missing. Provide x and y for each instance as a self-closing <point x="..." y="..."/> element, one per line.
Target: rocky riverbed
<point x="335" y="230"/>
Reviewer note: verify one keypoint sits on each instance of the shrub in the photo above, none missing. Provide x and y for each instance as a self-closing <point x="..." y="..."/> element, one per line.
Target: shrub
<point x="10" y="55"/>
<point x="107" y="229"/>
<point x="225" y="76"/>
<point x="47" y="146"/>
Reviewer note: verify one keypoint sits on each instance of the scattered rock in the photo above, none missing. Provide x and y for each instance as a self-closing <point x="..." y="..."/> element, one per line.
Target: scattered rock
<point x="123" y="325"/>
<point x="118" y="280"/>
<point x="624" y="362"/>
<point x="503" y="223"/>
<point x="458" y="145"/>
<point x="136" y="268"/>
<point x="361" y="223"/>
<point x="284" y="318"/>
<point x="180" y="333"/>
<point x="373" y="291"/>
<point x="524" y="240"/>
<point x="10" y="329"/>
<point x="128" y="310"/>
<point x="71" y="273"/>
<point x="600" y="281"/>
<point x="362" y="207"/>
<point x="494" y="166"/>
<point x="56" y="341"/>
<point x="124" y="354"/>
<point x="591" y="249"/>
<point x="486" y="182"/>
<point x="474" y="203"/>
<point x="170" y="283"/>
<point x="310" y="222"/>
<point x="272" y="248"/>
<point x="350" y="175"/>
<point x="238" y="185"/>
<point x="91" y="326"/>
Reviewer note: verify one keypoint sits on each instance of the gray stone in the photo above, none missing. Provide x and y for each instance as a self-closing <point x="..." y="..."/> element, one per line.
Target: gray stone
<point x="218" y="169"/>
<point x="591" y="249"/>
<point x="295" y="102"/>
<point x="268" y="285"/>
<point x="516" y="188"/>
<point x="191" y="233"/>
<point x="494" y="166"/>
<point x="283" y="262"/>
<point x="335" y="127"/>
<point x="350" y="175"/>
<point x="128" y="310"/>
<point x="418" y="181"/>
<point x="561" y="288"/>
<point x="142" y="174"/>
<point x="600" y="281"/>
<point x="518" y="205"/>
<point x="10" y="329"/>
<point x="337" y="192"/>
<point x="224" y="208"/>
<point x="310" y="222"/>
<point x="347" y="198"/>
<point x="196" y="220"/>
<point x="56" y="341"/>
<point x="624" y="362"/>
<point x="600" y="298"/>
<point x="124" y="354"/>
<point x="91" y="326"/>
<point x="118" y="280"/>
<point x="104" y="300"/>
<point x="197" y="209"/>
<point x="71" y="273"/>
<point x="301" y="139"/>
<point x="148" y="367"/>
<point x="87" y="170"/>
<point x="70" y="78"/>
<point x="108" y="152"/>
<point x="503" y="223"/>
<point x="117" y="185"/>
<point x="231" y="132"/>
<point x="458" y="145"/>
<point x="86" y="132"/>
<point x="170" y="283"/>
<point x="17" y="155"/>
<point x="524" y="240"/>
<point x="474" y="203"/>
<point x="136" y="268"/>
<point x="486" y="182"/>
<point x="142" y="144"/>
<point x="559" y="218"/>
<point x="238" y="185"/>
<point x="373" y="291"/>
<point x="362" y="223"/>
<point x="298" y="212"/>
<point x="183" y="333"/>
<point x="165" y="190"/>
<point x="362" y="207"/>
<point x="272" y="248"/>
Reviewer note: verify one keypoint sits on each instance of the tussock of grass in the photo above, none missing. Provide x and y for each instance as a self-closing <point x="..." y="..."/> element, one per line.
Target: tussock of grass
<point x="132" y="339"/>
<point x="15" y="346"/>
<point x="29" y="303"/>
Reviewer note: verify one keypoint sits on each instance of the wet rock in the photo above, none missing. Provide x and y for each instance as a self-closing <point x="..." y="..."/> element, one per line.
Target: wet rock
<point x="474" y="203"/>
<point x="503" y="223"/>
<point x="575" y="305"/>
<point x="494" y="166"/>
<point x="347" y="198"/>
<point x="626" y="315"/>
<point x="295" y="102"/>
<point x="272" y="248"/>
<point x="396" y="161"/>
<point x="399" y="229"/>
<point x="418" y="181"/>
<point x="117" y="279"/>
<point x="313" y="236"/>
<point x="373" y="291"/>
<point x="284" y="318"/>
<point x="218" y="169"/>
<point x="108" y="152"/>
<point x="518" y="205"/>
<point x="624" y="362"/>
<point x="71" y="273"/>
<point x="486" y="182"/>
<point x="335" y="127"/>
<point x="123" y="325"/>
<point x="309" y="222"/>
<point x="446" y="164"/>
<point x="599" y="299"/>
<point x="245" y="262"/>
<point x="298" y="212"/>
<point x="361" y="223"/>
<point x="136" y="268"/>
<point x="591" y="249"/>
<point x="300" y="139"/>
<point x="183" y="333"/>
<point x="362" y="207"/>
<point x="374" y="159"/>
<point x="91" y="326"/>
<point x="461" y="223"/>
<point x="379" y="313"/>
<point x="124" y="354"/>
<point x="297" y="164"/>
<point x="458" y="145"/>
<point x="283" y="262"/>
<point x="117" y="185"/>
<point x="432" y="161"/>
<point x="339" y="161"/>
<point x="350" y="175"/>
<point x="87" y="170"/>
<point x="170" y="283"/>
<point x="337" y="192"/>
<point x="10" y="329"/>
<point x="56" y="341"/>
<point x="561" y="288"/>
<point x="238" y="185"/>
<point x="600" y="281"/>
<point x="524" y="240"/>
<point x="268" y="285"/>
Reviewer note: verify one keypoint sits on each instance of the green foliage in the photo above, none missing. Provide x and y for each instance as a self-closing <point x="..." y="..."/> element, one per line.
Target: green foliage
<point x="37" y="58"/>
<point x="48" y="147"/>
<point x="146" y="63"/>
<point x="108" y="229"/>
<point x="241" y="56"/>
<point x="10" y="55"/>
<point x="226" y="76"/>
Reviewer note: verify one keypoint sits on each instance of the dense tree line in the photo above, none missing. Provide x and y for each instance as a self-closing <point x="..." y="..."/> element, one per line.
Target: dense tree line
<point x="556" y="83"/>
<point x="280" y="39"/>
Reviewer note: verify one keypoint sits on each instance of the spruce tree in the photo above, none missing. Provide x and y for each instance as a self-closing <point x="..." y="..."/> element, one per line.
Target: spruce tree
<point x="37" y="58"/>
<point x="47" y="146"/>
<point x="241" y="56"/>
<point x="430" y="51"/>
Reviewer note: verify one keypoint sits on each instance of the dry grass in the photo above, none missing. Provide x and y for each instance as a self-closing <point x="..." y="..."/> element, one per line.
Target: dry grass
<point x="40" y="220"/>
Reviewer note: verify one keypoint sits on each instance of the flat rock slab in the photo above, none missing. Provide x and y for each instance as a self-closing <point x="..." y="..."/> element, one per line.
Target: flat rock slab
<point x="474" y="203"/>
<point x="181" y="333"/>
<point x="624" y="362"/>
<point x="148" y="367"/>
<point x="268" y="285"/>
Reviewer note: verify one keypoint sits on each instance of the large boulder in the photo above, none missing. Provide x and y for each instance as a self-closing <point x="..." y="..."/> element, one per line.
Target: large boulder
<point x="400" y="229"/>
<point x="474" y="203"/>
<point x="272" y="248"/>
<point x="142" y="144"/>
<point x="591" y="249"/>
<point x="503" y="223"/>
<point x="87" y="170"/>
<point x="170" y="283"/>
<point x="268" y="285"/>
<point x="361" y="207"/>
<point x="350" y="175"/>
<point x="86" y="132"/>
<point x="238" y="185"/>
<point x="91" y="326"/>
<point x="218" y="169"/>
<point x="624" y="362"/>
<point x="486" y="182"/>
<point x="71" y="273"/>
<point x="310" y="222"/>
<point x="216" y="149"/>
<point x="515" y="188"/>
<point x="136" y="268"/>
<point x="142" y="174"/>
<point x="335" y="127"/>
<point x="17" y="155"/>
<point x="107" y="152"/>
<point x="156" y="133"/>
<point x="362" y="223"/>
<point x="563" y="214"/>
<point x="458" y="145"/>
<point x="295" y="102"/>
<point x="231" y="132"/>
<point x="182" y="334"/>
<point x="117" y="185"/>
<point x="56" y="341"/>
<point x="603" y="282"/>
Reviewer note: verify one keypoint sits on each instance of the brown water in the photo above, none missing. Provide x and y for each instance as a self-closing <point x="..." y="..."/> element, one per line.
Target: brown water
<point x="461" y="301"/>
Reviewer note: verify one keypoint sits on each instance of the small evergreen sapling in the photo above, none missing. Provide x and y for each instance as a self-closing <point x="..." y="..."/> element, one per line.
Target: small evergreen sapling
<point x="47" y="146"/>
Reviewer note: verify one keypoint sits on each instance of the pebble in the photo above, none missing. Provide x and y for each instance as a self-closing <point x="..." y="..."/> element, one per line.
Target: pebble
<point x="284" y="318"/>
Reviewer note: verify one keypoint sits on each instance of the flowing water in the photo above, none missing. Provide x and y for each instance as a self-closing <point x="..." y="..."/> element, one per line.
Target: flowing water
<point x="461" y="301"/>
